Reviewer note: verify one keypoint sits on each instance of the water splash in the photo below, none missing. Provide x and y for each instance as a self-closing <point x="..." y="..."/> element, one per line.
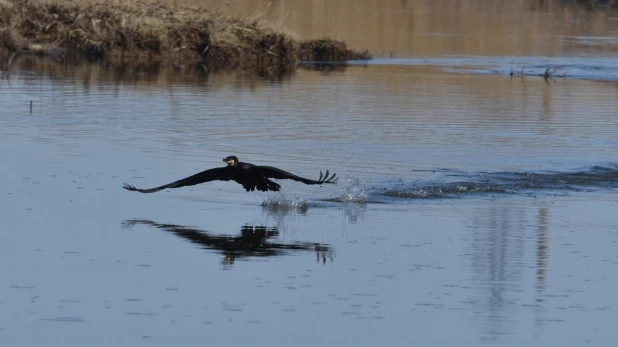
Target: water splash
<point x="280" y="203"/>
<point x="352" y="192"/>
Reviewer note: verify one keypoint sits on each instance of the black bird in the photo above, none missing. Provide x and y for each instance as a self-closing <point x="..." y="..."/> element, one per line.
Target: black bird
<point x="250" y="176"/>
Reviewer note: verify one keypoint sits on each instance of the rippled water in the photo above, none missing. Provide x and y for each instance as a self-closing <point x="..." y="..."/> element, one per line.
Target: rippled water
<point x="474" y="207"/>
<point x="477" y="204"/>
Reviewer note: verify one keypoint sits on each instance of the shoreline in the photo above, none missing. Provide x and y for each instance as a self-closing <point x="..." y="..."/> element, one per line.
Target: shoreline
<point x="152" y="32"/>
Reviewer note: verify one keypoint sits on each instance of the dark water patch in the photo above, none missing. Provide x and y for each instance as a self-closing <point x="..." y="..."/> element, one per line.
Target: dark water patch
<point x="65" y="319"/>
<point x="231" y="308"/>
<point x="454" y="184"/>
<point x="253" y="241"/>
<point x="364" y="294"/>
<point x="140" y="314"/>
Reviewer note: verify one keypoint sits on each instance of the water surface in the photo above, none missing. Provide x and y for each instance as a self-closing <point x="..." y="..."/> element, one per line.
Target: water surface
<point x="473" y="208"/>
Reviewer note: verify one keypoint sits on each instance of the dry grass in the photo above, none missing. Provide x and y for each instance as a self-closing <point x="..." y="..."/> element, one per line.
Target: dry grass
<point x="149" y="31"/>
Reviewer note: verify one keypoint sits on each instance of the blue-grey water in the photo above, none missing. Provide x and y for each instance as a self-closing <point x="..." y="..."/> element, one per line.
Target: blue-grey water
<point x="588" y="68"/>
<point x="475" y="206"/>
<point x="471" y="210"/>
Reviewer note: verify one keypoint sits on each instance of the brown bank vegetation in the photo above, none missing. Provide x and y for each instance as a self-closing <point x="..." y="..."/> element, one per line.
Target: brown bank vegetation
<point x="154" y="32"/>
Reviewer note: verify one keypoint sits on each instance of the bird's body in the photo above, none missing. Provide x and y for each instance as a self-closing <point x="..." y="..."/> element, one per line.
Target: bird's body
<point x="250" y="176"/>
<point x="253" y="177"/>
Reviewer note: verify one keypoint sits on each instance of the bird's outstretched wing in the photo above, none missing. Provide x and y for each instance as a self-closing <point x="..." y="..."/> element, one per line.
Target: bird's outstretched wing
<point x="216" y="174"/>
<point x="273" y="172"/>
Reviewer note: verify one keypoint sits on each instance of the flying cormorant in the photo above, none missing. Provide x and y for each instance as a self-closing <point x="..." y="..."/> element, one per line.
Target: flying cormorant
<point x="250" y="176"/>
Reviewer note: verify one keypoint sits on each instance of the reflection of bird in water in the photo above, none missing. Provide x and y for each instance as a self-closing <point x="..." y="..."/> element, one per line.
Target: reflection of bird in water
<point x="253" y="241"/>
<point x="250" y="176"/>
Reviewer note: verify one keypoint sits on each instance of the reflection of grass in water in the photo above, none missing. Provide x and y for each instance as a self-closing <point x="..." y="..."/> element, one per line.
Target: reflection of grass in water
<point x="329" y="50"/>
<point x="148" y="30"/>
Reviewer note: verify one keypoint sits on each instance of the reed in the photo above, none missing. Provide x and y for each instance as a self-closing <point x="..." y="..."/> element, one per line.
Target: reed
<point x="142" y="30"/>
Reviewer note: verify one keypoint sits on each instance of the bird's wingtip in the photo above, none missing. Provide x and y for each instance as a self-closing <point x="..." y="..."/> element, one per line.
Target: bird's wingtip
<point x="128" y="186"/>
<point x="324" y="177"/>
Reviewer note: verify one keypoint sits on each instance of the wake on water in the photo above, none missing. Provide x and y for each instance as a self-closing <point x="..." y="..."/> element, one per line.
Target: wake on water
<point x="456" y="184"/>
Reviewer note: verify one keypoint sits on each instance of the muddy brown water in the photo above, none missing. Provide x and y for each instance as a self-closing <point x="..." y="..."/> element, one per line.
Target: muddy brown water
<point x="473" y="208"/>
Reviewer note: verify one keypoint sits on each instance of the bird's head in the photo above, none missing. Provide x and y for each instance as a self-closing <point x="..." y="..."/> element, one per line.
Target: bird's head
<point x="231" y="160"/>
